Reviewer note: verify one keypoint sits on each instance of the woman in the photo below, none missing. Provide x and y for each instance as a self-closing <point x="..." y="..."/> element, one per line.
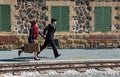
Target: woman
<point x="33" y="34"/>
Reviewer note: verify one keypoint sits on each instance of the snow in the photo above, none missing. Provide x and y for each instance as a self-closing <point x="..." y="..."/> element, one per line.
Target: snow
<point x="68" y="73"/>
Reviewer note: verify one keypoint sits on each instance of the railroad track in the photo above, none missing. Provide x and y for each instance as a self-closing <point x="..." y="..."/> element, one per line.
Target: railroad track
<point x="59" y="65"/>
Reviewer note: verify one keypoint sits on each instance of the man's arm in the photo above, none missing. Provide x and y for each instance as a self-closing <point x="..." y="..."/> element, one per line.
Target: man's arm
<point x="45" y="30"/>
<point x="43" y="33"/>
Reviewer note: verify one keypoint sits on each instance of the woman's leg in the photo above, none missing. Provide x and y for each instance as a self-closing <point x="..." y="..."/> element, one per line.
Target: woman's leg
<point x="36" y="56"/>
<point x="43" y="46"/>
<point x="20" y="51"/>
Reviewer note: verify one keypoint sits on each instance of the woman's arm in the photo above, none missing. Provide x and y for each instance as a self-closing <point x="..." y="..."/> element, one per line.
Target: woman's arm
<point x="40" y="33"/>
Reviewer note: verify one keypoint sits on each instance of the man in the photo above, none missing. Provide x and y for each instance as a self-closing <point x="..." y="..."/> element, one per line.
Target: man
<point x="49" y="38"/>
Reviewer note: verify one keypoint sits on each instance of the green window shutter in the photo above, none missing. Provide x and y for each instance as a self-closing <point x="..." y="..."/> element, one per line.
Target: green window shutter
<point x="98" y="19"/>
<point x="107" y="18"/>
<point x="61" y="13"/>
<point x="102" y="18"/>
<point x="5" y="18"/>
<point x="56" y="14"/>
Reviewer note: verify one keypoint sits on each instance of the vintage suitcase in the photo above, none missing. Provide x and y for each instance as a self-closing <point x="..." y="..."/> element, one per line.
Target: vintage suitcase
<point x="31" y="47"/>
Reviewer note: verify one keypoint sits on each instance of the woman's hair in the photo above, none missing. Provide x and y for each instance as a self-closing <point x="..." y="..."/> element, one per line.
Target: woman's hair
<point x="32" y="23"/>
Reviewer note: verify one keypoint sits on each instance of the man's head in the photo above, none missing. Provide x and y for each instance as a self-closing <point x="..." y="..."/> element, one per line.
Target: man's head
<point x="53" y="21"/>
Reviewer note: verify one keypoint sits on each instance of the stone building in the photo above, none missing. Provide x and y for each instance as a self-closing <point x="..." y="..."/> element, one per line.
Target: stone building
<point x="78" y="20"/>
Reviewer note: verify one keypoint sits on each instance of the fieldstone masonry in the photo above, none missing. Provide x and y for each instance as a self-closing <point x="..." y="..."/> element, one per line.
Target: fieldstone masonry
<point x="117" y="17"/>
<point x="72" y="41"/>
<point x="82" y="17"/>
<point x="29" y="10"/>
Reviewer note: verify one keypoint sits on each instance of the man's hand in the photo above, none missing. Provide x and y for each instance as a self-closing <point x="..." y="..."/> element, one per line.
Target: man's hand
<point x="44" y="36"/>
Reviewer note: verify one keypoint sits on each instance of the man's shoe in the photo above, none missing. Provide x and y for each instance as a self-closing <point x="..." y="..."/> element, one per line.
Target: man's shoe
<point x="19" y="52"/>
<point x="58" y="55"/>
<point x="36" y="58"/>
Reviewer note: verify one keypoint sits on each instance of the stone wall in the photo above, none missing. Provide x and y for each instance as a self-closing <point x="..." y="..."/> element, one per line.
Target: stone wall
<point x="81" y="19"/>
<point x="89" y="40"/>
<point x="28" y="10"/>
<point x="72" y="40"/>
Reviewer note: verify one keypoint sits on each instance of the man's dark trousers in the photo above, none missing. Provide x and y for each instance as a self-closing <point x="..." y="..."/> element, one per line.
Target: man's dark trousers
<point x="53" y="45"/>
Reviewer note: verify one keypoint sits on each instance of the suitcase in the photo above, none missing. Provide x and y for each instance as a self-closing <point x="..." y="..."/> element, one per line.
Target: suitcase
<point x="31" y="47"/>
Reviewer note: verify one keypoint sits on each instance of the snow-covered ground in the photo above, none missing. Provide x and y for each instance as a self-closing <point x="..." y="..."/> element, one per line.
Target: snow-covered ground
<point x="66" y="54"/>
<point x="68" y="73"/>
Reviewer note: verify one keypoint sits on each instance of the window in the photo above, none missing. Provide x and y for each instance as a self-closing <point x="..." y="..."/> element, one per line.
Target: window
<point x="61" y="13"/>
<point x="102" y="18"/>
<point x="5" y="18"/>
